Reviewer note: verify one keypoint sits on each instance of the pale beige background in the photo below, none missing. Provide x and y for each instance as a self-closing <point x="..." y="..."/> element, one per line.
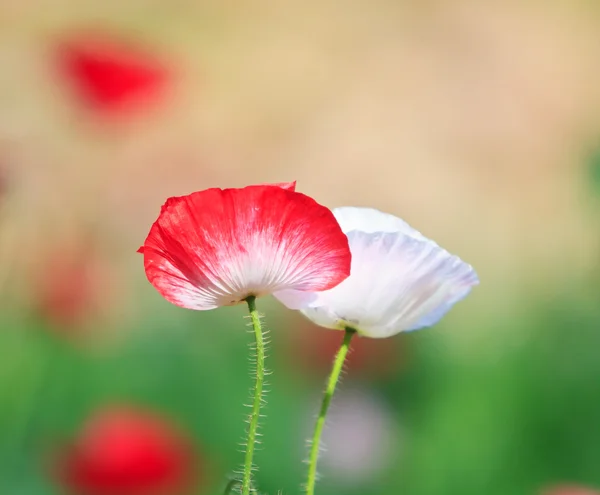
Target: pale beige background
<point x="471" y="120"/>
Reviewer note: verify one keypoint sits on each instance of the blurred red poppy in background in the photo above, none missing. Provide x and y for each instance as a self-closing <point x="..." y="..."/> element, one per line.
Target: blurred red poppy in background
<point x="110" y="74"/>
<point x="73" y="287"/>
<point x="312" y="348"/>
<point x="128" y="451"/>
<point x="569" y="490"/>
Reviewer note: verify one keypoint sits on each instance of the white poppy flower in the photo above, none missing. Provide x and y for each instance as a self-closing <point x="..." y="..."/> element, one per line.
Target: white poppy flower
<point x="399" y="280"/>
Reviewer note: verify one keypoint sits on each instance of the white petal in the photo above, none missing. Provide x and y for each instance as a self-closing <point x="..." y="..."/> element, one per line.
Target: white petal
<point x="437" y="314"/>
<point x="295" y="299"/>
<point x="399" y="280"/>
<point x="371" y="220"/>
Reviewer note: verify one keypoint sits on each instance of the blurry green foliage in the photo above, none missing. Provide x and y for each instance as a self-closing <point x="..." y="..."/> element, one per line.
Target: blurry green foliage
<point x="509" y="425"/>
<point x="594" y="167"/>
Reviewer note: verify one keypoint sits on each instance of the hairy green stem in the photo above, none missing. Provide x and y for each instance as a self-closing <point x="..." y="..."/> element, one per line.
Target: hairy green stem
<point x="258" y="390"/>
<point x="334" y="377"/>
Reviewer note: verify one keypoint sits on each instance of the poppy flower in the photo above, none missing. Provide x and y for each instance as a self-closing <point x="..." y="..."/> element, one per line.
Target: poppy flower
<point x="127" y="451"/>
<point x="111" y="74"/>
<point x="217" y="247"/>
<point x="400" y="279"/>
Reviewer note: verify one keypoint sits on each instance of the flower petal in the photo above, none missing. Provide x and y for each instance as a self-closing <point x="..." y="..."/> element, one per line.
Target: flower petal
<point x="371" y="220"/>
<point x="216" y="247"/>
<point x="399" y="281"/>
<point x="437" y="314"/>
<point x="288" y="186"/>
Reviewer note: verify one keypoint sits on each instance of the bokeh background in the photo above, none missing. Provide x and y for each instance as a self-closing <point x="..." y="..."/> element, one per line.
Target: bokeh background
<point x="477" y="122"/>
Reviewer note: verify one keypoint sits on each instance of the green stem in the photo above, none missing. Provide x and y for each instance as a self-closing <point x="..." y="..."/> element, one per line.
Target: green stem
<point x="334" y="377"/>
<point x="258" y="390"/>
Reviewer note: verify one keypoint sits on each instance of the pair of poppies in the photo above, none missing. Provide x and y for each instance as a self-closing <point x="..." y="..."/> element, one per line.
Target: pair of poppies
<point x="355" y="268"/>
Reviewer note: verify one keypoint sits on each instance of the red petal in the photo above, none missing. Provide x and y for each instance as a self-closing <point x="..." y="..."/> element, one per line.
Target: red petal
<point x="216" y="247"/>
<point x="288" y="186"/>
<point x="110" y="74"/>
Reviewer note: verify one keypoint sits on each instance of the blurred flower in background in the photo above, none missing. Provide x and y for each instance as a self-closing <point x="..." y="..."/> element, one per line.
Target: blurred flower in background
<point x="569" y="490"/>
<point x="111" y="74"/>
<point x="74" y="287"/>
<point x="361" y="441"/>
<point x="126" y="450"/>
<point x="311" y="349"/>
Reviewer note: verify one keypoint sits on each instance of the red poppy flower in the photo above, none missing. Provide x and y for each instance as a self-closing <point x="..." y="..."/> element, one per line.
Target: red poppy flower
<point x="217" y="247"/>
<point x="127" y="451"/>
<point x="111" y="74"/>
